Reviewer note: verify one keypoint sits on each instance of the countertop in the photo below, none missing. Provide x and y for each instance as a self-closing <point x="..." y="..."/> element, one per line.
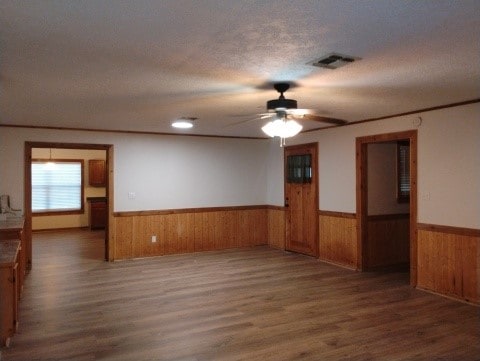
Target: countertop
<point x="8" y="251"/>
<point x="12" y="224"/>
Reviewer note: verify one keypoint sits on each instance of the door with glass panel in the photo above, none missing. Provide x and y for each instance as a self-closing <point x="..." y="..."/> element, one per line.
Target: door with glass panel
<point x="301" y="198"/>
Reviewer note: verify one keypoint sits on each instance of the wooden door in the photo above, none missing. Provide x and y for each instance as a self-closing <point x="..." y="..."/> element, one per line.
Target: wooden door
<point x="301" y="198"/>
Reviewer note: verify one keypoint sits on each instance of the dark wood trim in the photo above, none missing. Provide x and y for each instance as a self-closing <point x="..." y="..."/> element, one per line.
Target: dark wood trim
<point x="58" y="213"/>
<point x="387" y="137"/>
<point x="413" y="207"/>
<point x="68" y="145"/>
<point x="59" y="229"/>
<point x="109" y="233"/>
<point x="387" y="217"/>
<point x="337" y="214"/>
<point x="59" y="160"/>
<point x="461" y="231"/>
<point x="418" y="111"/>
<point x="361" y="157"/>
<point x="276" y="208"/>
<point x="27" y="202"/>
<point x="126" y="132"/>
<point x="361" y="150"/>
<point x="424" y="110"/>
<point x="452" y="105"/>
<point x="191" y="210"/>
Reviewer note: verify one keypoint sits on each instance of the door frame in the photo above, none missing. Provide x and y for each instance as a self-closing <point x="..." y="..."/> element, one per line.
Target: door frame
<point x="315" y="165"/>
<point x="109" y="244"/>
<point x="361" y="144"/>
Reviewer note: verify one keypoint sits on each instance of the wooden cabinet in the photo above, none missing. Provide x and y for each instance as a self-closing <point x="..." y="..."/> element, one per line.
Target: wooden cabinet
<point x="98" y="212"/>
<point x="12" y="230"/>
<point x="96" y="173"/>
<point x="9" y="288"/>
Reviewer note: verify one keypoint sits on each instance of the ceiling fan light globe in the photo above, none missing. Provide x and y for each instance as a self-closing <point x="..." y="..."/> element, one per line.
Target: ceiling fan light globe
<point x="291" y="128"/>
<point x="281" y="128"/>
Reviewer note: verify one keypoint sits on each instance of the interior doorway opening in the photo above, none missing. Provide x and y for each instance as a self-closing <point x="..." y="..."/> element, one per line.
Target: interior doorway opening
<point x="386" y="226"/>
<point x="39" y="217"/>
<point x="388" y="211"/>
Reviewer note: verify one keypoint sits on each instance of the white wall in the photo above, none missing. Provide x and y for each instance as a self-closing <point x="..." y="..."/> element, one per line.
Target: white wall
<point x="275" y="186"/>
<point x="382" y="180"/>
<point x="165" y="172"/>
<point x="183" y="172"/>
<point x="448" y="164"/>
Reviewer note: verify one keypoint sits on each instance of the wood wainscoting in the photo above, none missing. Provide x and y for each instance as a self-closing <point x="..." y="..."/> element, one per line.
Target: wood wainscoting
<point x="276" y="227"/>
<point x="388" y="240"/>
<point x="449" y="261"/>
<point x="188" y="230"/>
<point x="338" y="238"/>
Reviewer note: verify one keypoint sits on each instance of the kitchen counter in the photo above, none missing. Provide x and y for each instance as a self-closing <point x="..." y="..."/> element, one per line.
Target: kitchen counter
<point x="13" y="224"/>
<point x="9" y="249"/>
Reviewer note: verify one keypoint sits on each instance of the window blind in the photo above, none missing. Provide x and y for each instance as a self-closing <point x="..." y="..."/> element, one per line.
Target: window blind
<point x="403" y="176"/>
<point x="57" y="187"/>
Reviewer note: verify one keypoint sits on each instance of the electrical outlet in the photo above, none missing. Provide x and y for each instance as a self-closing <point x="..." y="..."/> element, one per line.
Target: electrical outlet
<point x="154" y="239"/>
<point x="131" y="195"/>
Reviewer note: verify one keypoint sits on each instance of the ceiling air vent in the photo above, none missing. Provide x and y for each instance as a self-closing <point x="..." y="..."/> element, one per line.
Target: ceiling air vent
<point x="334" y="61"/>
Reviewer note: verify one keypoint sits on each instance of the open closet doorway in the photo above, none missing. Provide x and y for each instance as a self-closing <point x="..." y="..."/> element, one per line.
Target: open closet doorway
<point x="68" y="200"/>
<point x="386" y="211"/>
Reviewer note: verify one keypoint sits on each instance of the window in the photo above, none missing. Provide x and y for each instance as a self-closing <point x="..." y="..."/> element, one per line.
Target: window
<point x="403" y="171"/>
<point x="57" y="188"/>
<point x="299" y="168"/>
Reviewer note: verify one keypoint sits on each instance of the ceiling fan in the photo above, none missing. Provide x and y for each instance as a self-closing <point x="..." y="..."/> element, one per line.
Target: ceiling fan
<point x="284" y="115"/>
<point x="287" y="108"/>
<point x="285" y="112"/>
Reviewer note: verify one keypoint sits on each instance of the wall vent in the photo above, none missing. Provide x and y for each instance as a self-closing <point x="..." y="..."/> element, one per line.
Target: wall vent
<point x="334" y="61"/>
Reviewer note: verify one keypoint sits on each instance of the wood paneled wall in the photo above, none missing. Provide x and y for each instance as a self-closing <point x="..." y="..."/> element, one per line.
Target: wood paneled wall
<point x="448" y="257"/>
<point x="388" y="241"/>
<point x="338" y="238"/>
<point x="449" y="261"/>
<point x="188" y="231"/>
<point x="276" y="227"/>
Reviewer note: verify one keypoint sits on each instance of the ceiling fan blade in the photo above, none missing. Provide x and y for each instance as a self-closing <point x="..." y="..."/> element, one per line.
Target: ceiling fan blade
<point x="242" y="122"/>
<point x="259" y="116"/>
<point x="266" y="115"/>
<point x="318" y="118"/>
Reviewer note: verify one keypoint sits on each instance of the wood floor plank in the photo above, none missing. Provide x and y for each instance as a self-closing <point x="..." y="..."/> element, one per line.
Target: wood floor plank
<point x="243" y="304"/>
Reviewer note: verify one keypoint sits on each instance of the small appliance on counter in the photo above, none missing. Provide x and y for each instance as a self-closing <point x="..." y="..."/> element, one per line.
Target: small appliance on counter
<point x="5" y="210"/>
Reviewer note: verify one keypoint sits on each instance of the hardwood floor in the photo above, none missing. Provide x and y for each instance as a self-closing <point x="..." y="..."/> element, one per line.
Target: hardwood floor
<point x="243" y="304"/>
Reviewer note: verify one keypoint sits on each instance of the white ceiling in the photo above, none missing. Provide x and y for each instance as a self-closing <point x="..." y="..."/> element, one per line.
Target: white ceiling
<point x="138" y="65"/>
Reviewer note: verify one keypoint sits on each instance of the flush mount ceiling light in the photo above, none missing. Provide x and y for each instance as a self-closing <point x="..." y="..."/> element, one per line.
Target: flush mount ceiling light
<point x="183" y="123"/>
<point x="282" y="128"/>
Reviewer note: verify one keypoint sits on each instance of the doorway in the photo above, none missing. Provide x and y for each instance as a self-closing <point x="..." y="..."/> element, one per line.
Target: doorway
<point x="29" y="147"/>
<point x="371" y="253"/>
<point x="301" y="198"/>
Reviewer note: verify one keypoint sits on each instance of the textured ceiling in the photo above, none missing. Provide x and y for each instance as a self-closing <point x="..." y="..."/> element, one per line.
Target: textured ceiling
<point x="138" y="65"/>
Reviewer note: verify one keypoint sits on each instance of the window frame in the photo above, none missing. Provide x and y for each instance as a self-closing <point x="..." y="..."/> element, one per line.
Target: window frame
<point x="82" y="190"/>
<point x="303" y="166"/>
<point x="402" y="198"/>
